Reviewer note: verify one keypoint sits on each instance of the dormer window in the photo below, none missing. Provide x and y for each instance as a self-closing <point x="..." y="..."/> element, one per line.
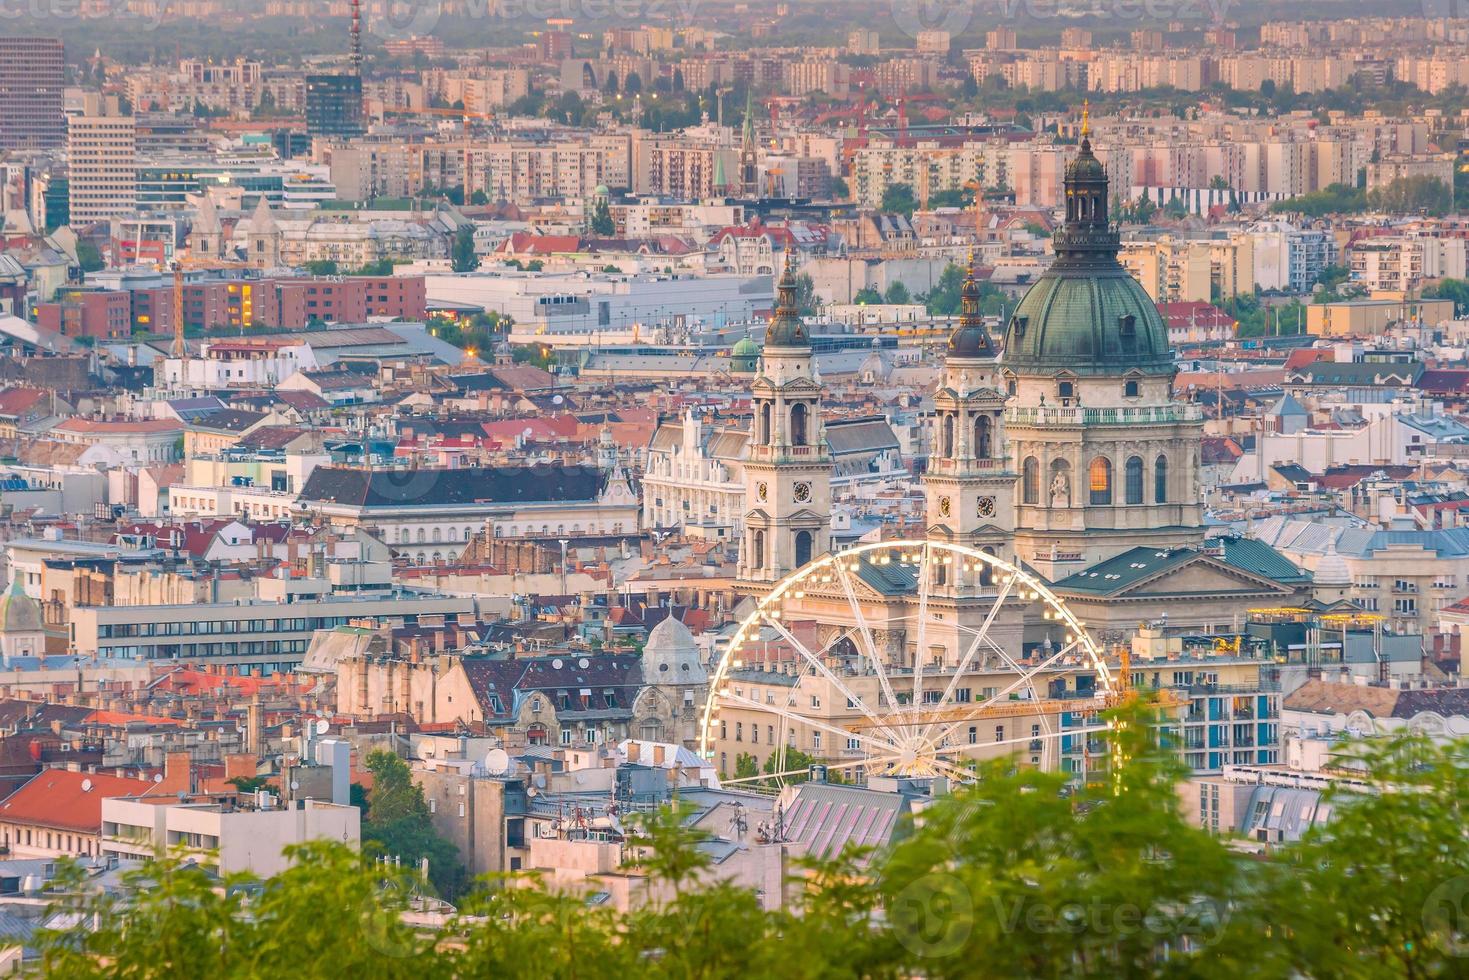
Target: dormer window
<point x="1066" y="389"/>
<point x="1130" y="388"/>
<point x="1020" y="322"/>
<point x="1127" y="325"/>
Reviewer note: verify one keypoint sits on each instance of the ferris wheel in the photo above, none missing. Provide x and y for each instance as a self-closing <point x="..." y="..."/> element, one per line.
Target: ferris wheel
<point x="904" y="658"/>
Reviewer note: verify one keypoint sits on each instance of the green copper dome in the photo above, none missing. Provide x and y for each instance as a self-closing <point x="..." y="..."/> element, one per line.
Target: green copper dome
<point x="1086" y="314"/>
<point x="971" y="339"/>
<point x="787" y="329"/>
<point x="1101" y="322"/>
<point x="744" y="356"/>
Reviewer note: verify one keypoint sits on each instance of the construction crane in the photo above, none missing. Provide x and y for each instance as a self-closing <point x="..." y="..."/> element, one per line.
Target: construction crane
<point x="180" y="265"/>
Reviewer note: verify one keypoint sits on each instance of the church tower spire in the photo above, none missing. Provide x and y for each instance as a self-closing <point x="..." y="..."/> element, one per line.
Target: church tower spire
<point x="969" y="485"/>
<point x="787" y="467"/>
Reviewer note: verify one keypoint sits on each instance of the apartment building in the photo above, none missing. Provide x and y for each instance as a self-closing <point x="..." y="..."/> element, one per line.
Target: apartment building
<point x="102" y="154"/>
<point x="32" y="75"/>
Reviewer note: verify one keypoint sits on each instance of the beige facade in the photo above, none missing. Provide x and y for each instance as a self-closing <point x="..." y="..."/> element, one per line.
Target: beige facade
<point x="102" y="158"/>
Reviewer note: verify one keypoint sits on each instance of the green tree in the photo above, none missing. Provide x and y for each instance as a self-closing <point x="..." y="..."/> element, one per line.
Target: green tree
<point x="897" y="293"/>
<point x="807" y="301"/>
<point x="839" y="189"/>
<point x="463" y="257"/>
<point x="1414" y="195"/>
<point x="400" y="824"/>
<point x="602" y="223"/>
<point x="88" y="256"/>
<point x="867" y="296"/>
<point x="746" y="766"/>
<point x="1454" y="289"/>
<point x="898" y="199"/>
<point x="322" y="267"/>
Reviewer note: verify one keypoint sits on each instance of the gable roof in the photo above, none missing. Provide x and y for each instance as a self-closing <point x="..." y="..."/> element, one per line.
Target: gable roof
<point x="67" y="800"/>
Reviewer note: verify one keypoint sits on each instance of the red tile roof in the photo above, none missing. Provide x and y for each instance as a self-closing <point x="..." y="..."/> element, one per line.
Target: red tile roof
<point x="56" y="798"/>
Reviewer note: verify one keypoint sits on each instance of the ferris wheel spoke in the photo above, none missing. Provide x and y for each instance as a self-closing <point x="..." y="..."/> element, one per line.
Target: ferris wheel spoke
<point x="873" y="654"/>
<point x="797" y="718"/>
<point x="920" y="646"/>
<point x="856" y="764"/>
<point x="816" y="663"/>
<point x="1022" y="679"/>
<point x="980" y="636"/>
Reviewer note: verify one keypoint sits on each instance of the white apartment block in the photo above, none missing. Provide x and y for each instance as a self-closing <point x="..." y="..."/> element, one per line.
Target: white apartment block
<point x="102" y="157"/>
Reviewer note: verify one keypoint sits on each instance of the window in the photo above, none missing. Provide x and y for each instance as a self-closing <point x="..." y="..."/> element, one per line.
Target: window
<point x="946" y="440"/>
<point x="1099" y="479"/>
<point x="1066" y="389"/>
<point x="1030" y="483"/>
<point x="803" y="547"/>
<point x="816" y="741"/>
<point x="982" y="436"/>
<point x="1160" y="480"/>
<point x="1130" y="388"/>
<point x="739" y="731"/>
<point x="765" y="423"/>
<point x="999" y="733"/>
<point x="798" y="424"/>
<point x="973" y="735"/>
<point x="1134" y="479"/>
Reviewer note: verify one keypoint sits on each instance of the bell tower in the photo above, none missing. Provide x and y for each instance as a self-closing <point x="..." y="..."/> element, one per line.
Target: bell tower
<point x="787" y="469"/>
<point x="969" y="486"/>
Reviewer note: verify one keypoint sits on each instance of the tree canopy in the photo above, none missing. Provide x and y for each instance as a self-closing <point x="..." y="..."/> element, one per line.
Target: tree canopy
<point x="1024" y="874"/>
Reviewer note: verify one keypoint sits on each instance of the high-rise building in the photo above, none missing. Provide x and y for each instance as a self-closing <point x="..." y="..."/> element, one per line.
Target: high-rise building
<point x="334" y="105"/>
<point x="102" y="152"/>
<point x="31" y="80"/>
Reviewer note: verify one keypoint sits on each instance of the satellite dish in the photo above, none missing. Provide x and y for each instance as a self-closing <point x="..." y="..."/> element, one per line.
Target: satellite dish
<point x="528" y="432"/>
<point x="497" y="762"/>
<point x="557" y="664"/>
<point x="583" y="663"/>
<point x="322" y="726"/>
<point x="295" y="785"/>
<point x="158" y="777"/>
<point x="558" y="400"/>
<point x="86" y="786"/>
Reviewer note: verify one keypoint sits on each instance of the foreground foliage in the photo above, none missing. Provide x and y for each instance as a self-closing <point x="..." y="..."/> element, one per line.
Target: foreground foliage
<point x="1020" y="876"/>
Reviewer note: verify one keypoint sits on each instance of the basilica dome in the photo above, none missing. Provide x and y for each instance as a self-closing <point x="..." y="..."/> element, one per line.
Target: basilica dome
<point x="1086" y="314"/>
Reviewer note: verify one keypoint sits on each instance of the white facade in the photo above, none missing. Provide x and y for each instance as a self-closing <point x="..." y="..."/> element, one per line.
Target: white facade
<point x="234" y="841"/>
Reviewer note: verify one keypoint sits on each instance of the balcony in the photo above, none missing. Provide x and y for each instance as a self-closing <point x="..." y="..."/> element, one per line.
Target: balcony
<point x="1128" y="416"/>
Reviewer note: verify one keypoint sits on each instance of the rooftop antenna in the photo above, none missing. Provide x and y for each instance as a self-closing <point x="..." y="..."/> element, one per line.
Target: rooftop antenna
<point x="356" y="54"/>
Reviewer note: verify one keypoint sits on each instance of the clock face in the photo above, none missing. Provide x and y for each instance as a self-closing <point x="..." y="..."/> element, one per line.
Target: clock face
<point x="944" y="507"/>
<point x="803" y="493"/>
<point x="986" y="507"/>
<point x="761" y="491"/>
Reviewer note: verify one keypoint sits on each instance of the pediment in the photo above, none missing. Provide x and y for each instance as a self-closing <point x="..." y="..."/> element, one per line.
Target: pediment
<point x="1204" y="576"/>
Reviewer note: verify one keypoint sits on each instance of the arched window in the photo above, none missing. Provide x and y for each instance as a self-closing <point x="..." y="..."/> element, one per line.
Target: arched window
<point x="1099" y="481"/>
<point x="986" y="570"/>
<point x="764" y="439"/>
<point x="803" y="547"/>
<point x="1160" y="480"/>
<point x="757" y="549"/>
<point x="1030" y="481"/>
<point x="438" y="535"/>
<point x="798" y="424"/>
<point x="982" y="436"/>
<point x="421" y="536"/>
<point x="946" y="442"/>
<point x="1134" y="479"/>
